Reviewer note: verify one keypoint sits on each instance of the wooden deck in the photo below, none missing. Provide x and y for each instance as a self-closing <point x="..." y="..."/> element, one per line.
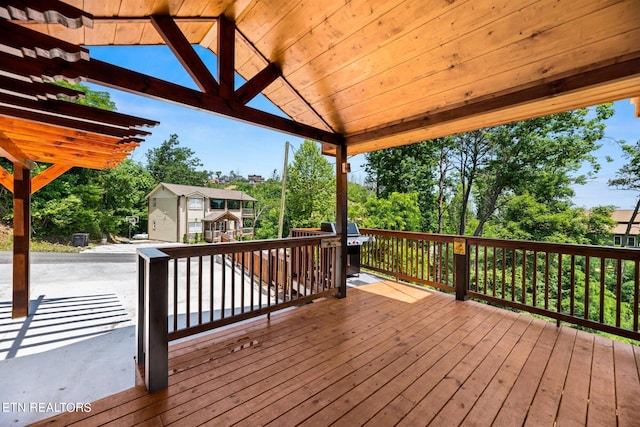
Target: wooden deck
<point x="388" y="354"/>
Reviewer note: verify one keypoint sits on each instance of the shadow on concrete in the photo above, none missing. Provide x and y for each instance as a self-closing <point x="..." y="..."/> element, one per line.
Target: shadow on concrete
<point x="59" y="321"/>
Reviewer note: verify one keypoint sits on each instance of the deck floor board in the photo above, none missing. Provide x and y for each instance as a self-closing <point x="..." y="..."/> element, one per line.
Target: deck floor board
<point x="388" y="354"/>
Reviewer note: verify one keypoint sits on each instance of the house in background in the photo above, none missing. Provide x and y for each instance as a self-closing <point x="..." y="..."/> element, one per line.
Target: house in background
<point x="176" y="211"/>
<point x="622" y="217"/>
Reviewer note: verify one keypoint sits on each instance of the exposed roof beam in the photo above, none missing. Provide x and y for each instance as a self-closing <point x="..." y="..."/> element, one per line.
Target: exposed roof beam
<point x="182" y="49"/>
<point x="226" y="57"/>
<point x="545" y="89"/>
<point x="46" y="11"/>
<point x="67" y="122"/>
<point x="38" y="90"/>
<point x="10" y="151"/>
<point x="257" y="83"/>
<point x="636" y="101"/>
<point x="120" y="78"/>
<point x="82" y="112"/>
<point x="22" y="41"/>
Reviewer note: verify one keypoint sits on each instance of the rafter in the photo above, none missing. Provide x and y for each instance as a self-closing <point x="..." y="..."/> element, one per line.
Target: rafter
<point x="120" y="78"/>
<point x="257" y="83"/>
<point x="636" y="101"/>
<point x="181" y="48"/>
<point x="226" y="57"/>
<point x="10" y="151"/>
<point x="48" y="175"/>
<point x="495" y="102"/>
<point x="46" y="11"/>
<point x="23" y="41"/>
<point x="37" y="89"/>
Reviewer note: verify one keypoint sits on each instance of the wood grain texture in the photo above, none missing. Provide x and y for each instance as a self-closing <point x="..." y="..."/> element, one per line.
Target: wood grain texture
<point x="389" y="353"/>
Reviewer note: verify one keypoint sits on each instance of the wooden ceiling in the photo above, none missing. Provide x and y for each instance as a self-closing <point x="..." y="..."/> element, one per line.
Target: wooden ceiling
<point x="390" y="72"/>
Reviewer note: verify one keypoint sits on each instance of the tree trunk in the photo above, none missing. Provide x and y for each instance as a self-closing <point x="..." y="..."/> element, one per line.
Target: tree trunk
<point x="625" y="240"/>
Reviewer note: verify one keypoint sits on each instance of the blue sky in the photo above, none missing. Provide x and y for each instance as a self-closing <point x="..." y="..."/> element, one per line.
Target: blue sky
<point x="227" y="145"/>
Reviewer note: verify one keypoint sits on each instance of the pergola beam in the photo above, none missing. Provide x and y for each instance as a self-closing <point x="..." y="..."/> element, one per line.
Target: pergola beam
<point x="46" y="11"/>
<point x="10" y="151"/>
<point x="181" y="48"/>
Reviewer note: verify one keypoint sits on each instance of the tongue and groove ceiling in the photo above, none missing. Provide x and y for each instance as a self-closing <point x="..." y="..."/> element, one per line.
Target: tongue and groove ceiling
<point x="390" y="72"/>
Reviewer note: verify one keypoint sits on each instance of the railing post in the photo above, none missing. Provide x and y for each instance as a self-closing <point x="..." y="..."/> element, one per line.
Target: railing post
<point x="153" y="298"/>
<point x="341" y="219"/>
<point x="461" y="267"/>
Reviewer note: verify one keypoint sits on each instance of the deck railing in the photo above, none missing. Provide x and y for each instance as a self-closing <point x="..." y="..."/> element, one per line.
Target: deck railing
<point x="185" y="290"/>
<point x="590" y="286"/>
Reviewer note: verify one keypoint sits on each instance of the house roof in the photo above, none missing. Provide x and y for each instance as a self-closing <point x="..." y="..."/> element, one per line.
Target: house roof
<point x="622" y="217"/>
<point x="215" y="216"/>
<point x="211" y="193"/>
<point x="374" y="74"/>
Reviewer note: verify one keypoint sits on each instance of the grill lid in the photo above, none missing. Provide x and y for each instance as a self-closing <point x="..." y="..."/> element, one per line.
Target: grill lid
<point x="352" y="228"/>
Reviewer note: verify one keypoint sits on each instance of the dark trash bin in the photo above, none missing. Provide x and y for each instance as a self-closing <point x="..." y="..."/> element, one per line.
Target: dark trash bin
<point x="80" y="239"/>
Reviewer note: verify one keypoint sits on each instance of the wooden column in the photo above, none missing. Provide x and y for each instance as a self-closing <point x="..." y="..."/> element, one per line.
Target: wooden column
<point x="21" y="239"/>
<point x="341" y="219"/>
<point x="152" y="328"/>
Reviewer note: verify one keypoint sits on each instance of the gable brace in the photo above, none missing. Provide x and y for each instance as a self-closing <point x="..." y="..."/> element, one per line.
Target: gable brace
<point x="257" y="83"/>
<point x="48" y="175"/>
<point x="109" y="75"/>
<point x="179" y="45"/>
<point x="226" y="57"/>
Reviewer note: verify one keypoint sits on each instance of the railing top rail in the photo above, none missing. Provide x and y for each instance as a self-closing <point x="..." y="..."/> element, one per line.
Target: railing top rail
<point x="560" y="248"/>
<point x="185" y="251"/>
<point x="410" y="234"/>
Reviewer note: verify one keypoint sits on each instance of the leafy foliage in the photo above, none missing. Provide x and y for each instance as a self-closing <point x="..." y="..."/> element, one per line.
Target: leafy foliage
<point x="176" y="165"/>
<point x="310" y="188"/>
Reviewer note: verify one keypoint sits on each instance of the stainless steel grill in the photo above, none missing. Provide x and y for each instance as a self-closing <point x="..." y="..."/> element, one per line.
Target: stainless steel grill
<point x="354" y="241"/>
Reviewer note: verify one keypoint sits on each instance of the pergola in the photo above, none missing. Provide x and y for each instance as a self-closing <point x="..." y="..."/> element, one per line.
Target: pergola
<point x="357" y="76"/>
<point x="38" y="125"/>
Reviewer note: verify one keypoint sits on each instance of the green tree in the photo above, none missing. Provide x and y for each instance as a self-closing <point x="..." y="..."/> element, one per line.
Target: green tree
<point x="628" y="178"/>
<point x="399" y="211"/>
<point x="174" y="164"/>
<point x="124" y="194"/>
<point x="407" y="169"/>
<point x="310" y="188"/>
<point x="521" y="153"/>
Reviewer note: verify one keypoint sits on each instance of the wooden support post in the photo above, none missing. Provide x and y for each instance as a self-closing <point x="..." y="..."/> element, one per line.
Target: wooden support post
<point x="461" y="267"/>
<point x="341" y="219"/>
<point x="153" y="298"/>
<point x="21" y="239"/>
<point x="226" y="57"/>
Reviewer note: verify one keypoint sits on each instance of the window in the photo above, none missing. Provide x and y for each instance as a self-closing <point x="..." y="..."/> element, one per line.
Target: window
<point x="233" y="205"/>
<point x="195" y="203"/>
<point x="155" y="202"/>
<point x="631" y="242"/>
<point x="617" y="240"/>
<point x="154" y="224"/>
<point x="217" y="204"/>
<point x="248" y="205"/>
<point x="195" y="227"/>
